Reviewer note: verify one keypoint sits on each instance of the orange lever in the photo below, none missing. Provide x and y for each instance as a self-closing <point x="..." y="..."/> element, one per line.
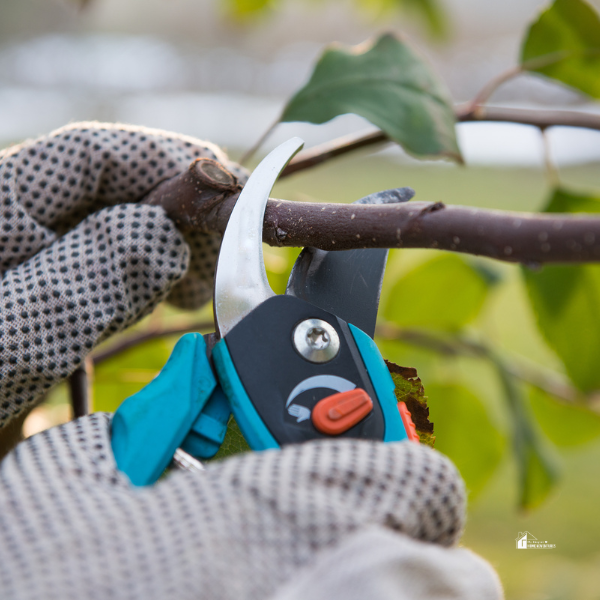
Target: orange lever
<point x="410" y="427"/>
<point x="338" y="413"/>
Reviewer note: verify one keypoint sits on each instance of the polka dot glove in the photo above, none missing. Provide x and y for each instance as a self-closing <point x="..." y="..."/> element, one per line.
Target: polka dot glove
<point x="325" y="520"/>
<point x="79" y="260"/>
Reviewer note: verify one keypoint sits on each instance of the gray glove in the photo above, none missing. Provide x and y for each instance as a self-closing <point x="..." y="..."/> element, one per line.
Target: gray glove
<point x="77" y="262"/>
<point x="335" y="520"/>
<point x="325" y="519"/>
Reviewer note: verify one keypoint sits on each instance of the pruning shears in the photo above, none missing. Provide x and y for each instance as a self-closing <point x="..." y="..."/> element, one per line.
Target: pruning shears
<point x="290" y="368"/>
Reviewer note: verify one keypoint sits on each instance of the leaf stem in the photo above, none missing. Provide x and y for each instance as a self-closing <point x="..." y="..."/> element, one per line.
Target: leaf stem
<point x="489" y="88"/>
<point x="250" y="153"/>
<point x="549" y="164"/>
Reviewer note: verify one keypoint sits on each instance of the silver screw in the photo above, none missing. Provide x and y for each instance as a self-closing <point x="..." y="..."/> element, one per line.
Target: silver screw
<point x="316" y="340"/>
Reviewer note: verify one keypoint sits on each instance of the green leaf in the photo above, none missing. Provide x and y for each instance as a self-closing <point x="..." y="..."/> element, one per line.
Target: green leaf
<point x="538" y="471"/>
<point x="565" y="201"/>
<point x="565" y="425"/>
<point x="409" y="389"/>
<point x="125" y="374"/>
<point x="386" y="83"/>
<point x="564" y="44"/>
<point x="234" y="442"/>
<point x="566" y="301"/>
<point x="430" y="11"/>
<point x="243" y="9"/>
<point x="465" y="433"/>
<point x="443" y="293"/>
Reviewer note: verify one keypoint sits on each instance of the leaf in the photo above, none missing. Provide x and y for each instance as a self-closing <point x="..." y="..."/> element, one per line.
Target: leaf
<point x="564" y="425"/>
<point x="389" y="85"/>
<point x="409" y="390"/>
<point x="564" y="44"/>
<point x="125" y="374"/>
<point x="443" y="293"/>
<point x="566" y="301"/>
<point x="565" y="201"/>
<point x="538" y="471"/>
<point x="465" y="433"/>
<point x="243" y="9"/>
<point x="430" y="11"/>
<point x="234" y="442"/>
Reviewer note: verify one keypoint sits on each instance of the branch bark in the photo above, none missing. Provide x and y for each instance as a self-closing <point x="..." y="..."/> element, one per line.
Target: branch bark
<point x="195" y="201"/>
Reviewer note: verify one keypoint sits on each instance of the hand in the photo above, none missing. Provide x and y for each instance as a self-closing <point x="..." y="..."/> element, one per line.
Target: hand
<point x="79" y="259"/>
<point x="335" y="520"/>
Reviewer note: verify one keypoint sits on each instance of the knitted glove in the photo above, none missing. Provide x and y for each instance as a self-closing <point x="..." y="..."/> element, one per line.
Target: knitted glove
<point x="335" y="520"/>
<point x="77" y="262"/>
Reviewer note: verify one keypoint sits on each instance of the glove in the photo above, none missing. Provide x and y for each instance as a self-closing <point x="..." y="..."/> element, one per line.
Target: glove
<point x="76" y="263"/>
<point x="336" y="520"/>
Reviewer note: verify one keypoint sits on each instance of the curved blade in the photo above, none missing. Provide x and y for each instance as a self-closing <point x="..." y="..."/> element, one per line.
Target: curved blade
<point x="240" y="279"/>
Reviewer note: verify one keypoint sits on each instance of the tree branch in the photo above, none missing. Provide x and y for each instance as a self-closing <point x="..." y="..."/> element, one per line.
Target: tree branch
<point x="457" y="345"/>
<point x="446" y="345"/>
<point x="79" y="391"/>
<point x="531" y="239"/>
<point x="337" y="147"/>
<point x="466" y="113"/>
<point x="538" y="118"/>
<point x="134" y="339"/>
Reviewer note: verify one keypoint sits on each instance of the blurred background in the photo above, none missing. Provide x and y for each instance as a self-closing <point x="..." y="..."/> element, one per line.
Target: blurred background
<point x="222" y="72"/>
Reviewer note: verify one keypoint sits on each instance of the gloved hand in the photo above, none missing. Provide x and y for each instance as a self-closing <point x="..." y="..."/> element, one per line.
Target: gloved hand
<point x="319" y="520"/>
<point x="77" y="262"/>
<point x="325" y="520"/>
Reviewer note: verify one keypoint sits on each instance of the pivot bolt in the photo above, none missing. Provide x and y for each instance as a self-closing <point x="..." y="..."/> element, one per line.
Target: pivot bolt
<point x="316" y="340"/>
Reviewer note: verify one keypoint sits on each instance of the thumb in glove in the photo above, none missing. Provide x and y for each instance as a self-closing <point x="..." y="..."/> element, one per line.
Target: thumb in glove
<point x="77" y="264"/>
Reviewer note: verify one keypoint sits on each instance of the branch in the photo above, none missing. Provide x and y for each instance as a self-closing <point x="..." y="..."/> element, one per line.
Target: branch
<point x="337" y="147"/>
<point x="133" y="340"/>
<point x="459" y="346"/>
<point x="538" y="118"/>
<point x="489" y="88"/>
<point x="197" y="203"/>
<point x="464" y="114"/>
<point x="448" y="346"/>
<point x="79" y="391"/>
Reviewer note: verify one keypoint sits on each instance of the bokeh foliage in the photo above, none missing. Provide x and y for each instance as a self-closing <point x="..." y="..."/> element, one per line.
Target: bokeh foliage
<point x="436" y="307"/>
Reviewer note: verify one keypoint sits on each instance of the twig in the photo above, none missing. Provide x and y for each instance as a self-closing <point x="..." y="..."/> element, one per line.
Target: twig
<point x="542" y="119"/>
<point x="489" y="88"/>
<point x="538" y="118"/>
<point x="248" y="155"/>
<point x="324" y="152"/>
<point x="549" y="164"/>
<point x="457" y="345"/>
<point x="138" y="338"/>
<point x="79" y="392"/>
<point x="448" y="346"/>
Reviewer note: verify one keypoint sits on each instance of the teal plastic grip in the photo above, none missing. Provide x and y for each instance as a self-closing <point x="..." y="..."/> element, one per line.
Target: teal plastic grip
<point x="209" y="429"/>
<point x="383" y="384"/>
<point x="251" y="425"/>
<point x="150" y="425"/>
